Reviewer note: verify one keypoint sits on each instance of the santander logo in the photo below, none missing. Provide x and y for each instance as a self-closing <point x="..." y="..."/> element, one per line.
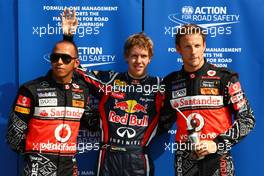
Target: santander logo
<point x="69" y="112"/>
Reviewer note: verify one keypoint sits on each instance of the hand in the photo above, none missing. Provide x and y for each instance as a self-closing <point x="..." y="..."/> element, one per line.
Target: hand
<point x="205" y="147"/>
<point x="69" y="22"/>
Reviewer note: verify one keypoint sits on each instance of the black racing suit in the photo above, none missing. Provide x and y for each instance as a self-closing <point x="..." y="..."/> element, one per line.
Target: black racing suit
<point x="129" y="110"/>
<point x="44" y="125"/>
<point x="211" y="96"/>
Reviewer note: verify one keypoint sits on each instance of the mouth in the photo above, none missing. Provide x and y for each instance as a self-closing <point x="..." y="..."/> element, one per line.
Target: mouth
<point x="193" y="59"/>
<point x="59" y="69"/>
<point x="138" y="68"/>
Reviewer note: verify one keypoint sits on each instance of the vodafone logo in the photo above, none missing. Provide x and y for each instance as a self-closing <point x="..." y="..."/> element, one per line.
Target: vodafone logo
<point x="234" y="88"/>
<point x="24" y="101"/>
<point x="211" y="72"/>
<point x="62" y="133"/>
<point x="199" y="119"/>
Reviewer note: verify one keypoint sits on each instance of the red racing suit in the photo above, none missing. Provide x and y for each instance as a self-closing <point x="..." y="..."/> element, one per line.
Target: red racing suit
<point x="44" y="124"/>
<point x="129" y="110"/>
<point x="211" y="96"/>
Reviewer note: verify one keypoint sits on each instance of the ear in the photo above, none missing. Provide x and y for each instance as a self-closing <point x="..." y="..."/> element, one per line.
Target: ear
<point x="204" y="45"/>
<point x="76" y="63"/>
<point x="126" y="58"/>
<point x="178" y="49"/>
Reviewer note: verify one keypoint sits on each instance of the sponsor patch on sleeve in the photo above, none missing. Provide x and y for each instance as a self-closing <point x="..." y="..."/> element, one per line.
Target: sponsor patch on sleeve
<point x="22" y="110"/>
<point x="239" y="104"/>
<point x="23" y="101"/>
<point x="236" y="98"/>
<point x="234" y="88"/>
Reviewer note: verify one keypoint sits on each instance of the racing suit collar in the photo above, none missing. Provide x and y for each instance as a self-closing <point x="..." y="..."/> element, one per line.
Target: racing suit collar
<point x="52" y="81"/>
<point x="199" y="72"/>
<point x="132" y="80"/>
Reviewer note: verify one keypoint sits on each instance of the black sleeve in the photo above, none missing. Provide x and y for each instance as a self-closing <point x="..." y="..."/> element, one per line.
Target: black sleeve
<point x="91" y="116"/>
<point x="68" y="38"/>
<point x="99" y="82"/>
<point x="167" y="114"/>
<point x="19" y="117"/>
<point x="244" y="120"/>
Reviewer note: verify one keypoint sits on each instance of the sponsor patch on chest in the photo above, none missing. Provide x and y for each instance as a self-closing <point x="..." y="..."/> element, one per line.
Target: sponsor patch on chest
<point x="179" y="93"/>
<point x="48" y="102"/>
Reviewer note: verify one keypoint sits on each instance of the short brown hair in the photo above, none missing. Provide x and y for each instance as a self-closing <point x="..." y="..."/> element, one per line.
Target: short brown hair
<point x="187" y="29"/>
<point x="141" y="40"/>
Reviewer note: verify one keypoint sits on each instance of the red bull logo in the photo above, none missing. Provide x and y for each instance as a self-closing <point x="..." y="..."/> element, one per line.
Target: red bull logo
<point x="118" y="119"/>
<point x="131" y="120"/>
<point x="134" y="121"/>
<point x="121" y="105"/>
<point x="130" y="106"/>
<point x="139" y="108"/>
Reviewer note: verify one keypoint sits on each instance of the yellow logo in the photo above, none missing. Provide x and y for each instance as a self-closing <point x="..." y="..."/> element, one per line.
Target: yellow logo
<point x="78" y="103"/>
<point x="120" y="83"/>
<point x="22" y="110"/>
<point x="209" y="91"/>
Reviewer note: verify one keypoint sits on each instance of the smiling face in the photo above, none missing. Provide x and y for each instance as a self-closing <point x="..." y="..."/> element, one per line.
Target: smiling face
<point x="61" y="70"/>
<point x="138" y="60"/>
<point x="191" y="47"/>
<point x="138" y="51"/>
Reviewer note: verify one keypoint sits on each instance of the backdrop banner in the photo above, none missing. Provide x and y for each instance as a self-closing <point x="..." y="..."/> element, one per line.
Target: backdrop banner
<point x="8" y="81"/>
<point x="234" y="40"/>
<point x="234" y="31"/>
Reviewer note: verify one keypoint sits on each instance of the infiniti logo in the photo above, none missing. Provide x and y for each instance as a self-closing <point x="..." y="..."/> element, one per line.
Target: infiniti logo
<point x="122" y="131"/>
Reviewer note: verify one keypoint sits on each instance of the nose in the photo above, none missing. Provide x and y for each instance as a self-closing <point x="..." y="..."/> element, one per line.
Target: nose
<point x="193" y="50"/>
<point x="138" y="59"/>
<point x="60" y="61"/>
